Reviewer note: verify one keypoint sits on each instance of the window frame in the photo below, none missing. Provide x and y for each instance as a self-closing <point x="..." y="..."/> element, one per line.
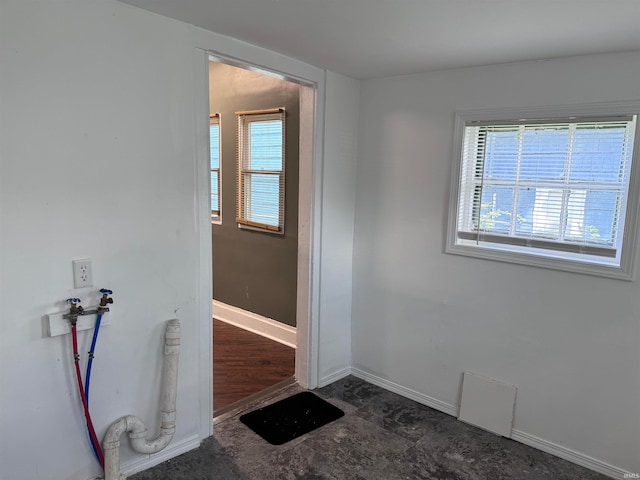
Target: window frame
<point x="214" y="119"/>
<point x="546" y="258"/>
<point x="244" y="119"/>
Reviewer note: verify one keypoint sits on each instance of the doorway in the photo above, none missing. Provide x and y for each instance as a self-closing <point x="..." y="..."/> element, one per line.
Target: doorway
<point x="255" y="263"/>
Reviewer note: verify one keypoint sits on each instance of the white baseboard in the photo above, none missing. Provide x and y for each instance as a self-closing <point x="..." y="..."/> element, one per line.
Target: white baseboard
<point x="517" y="435"/>
<point x="173" y="450"/>
<point x="334" y="377"/>
<point x="407" y="392"/>
<point x="255" y="323"/>
<point x="570" y="455"/>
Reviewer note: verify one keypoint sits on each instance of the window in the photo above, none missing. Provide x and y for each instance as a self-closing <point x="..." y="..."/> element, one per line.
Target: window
<point x="214" y="156"/>
<point x="552" y="191"/>
<point x="261" y="170"/>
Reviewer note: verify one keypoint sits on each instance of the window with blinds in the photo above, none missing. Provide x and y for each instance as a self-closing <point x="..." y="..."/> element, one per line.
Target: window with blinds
<point x="554" y="188"/>
<point x="214" y="157"/>
<point x="261" y="167"/>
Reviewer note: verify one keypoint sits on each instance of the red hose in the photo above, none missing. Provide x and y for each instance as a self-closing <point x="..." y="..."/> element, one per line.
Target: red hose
<point x="87" y="416"/>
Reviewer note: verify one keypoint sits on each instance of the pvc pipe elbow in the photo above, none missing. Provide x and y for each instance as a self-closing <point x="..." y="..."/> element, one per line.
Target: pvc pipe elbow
<point x="111" y="447"/>
<point x="143" y="445"/>
<point x="134" y="425"/>
<point x="115" y="431"/>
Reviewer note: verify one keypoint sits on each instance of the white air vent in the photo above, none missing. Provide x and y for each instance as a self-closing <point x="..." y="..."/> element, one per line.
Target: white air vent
<point x="487" y="403"/>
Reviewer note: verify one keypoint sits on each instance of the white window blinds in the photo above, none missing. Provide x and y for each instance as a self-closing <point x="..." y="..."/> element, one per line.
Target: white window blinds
<point x="557" y="184"/>
<point x="214" y="156"/>
<point x="261" y="168"/>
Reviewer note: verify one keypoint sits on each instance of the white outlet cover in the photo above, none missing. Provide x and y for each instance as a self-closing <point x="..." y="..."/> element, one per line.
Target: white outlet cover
<point x="82" y="273"/>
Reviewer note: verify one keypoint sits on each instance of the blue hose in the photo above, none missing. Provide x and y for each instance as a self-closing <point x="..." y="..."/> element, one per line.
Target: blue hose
<point x="87" y="377"/>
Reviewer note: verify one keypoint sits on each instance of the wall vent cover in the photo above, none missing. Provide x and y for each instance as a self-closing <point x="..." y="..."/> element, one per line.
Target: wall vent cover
<point x="487" y="403"/>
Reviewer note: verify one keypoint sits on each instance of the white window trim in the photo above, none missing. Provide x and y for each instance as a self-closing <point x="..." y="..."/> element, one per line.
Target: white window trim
<point x="217" y="219"/>
<point x="244" y="118"/>
<point x="557" y="260"/>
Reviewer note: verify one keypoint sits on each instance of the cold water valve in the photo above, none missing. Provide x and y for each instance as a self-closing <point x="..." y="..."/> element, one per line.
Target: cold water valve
<point x="105" y="300"/>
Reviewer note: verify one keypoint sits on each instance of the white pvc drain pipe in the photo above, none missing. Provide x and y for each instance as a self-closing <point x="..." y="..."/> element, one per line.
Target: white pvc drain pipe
<point x="134" y="425"/>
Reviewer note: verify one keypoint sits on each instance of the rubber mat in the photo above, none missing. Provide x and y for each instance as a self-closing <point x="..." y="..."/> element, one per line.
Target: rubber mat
<point x="290" y="418"/>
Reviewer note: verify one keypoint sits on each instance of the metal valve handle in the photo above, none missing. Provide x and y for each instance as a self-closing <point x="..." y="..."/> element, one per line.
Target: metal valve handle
<point x="105" y="300"/>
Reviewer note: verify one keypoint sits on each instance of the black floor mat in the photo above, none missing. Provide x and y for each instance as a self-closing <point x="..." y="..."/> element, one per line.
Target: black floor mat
<point x="289" y="418"/>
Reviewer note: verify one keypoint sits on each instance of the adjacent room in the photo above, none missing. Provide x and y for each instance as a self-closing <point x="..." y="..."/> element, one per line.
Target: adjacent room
<point x="430" y="208"/>
<point x="253" y="117"/>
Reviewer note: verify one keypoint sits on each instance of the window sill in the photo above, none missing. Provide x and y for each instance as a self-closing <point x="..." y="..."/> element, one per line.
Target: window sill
<point x="255" y="228"/>
<point x="545" y="259"/>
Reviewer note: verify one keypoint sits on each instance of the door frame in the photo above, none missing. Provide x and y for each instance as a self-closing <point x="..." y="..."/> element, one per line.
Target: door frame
<point x="312" y="82"/>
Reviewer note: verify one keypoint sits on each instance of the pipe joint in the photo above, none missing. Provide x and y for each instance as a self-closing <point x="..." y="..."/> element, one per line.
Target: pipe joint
<point x="135" y="426"/>
<point x="169" y="416"/>
<point x="172" y="350"/>
<point x="142" y="434"/>
<point x="110" y="445"/>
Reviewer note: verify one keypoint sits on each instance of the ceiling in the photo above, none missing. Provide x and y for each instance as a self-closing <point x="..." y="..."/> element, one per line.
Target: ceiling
<point x="377" y="38"/>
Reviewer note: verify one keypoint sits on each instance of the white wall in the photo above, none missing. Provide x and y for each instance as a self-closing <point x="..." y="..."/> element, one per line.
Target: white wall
<point x="97" y="161"/>
<point x="97" y="139"/>
<point x="569" y="342"/>
<point x="338" y="202"/>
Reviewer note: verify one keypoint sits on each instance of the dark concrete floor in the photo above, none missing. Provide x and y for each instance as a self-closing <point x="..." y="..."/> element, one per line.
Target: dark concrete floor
<point x="382" y="436"/>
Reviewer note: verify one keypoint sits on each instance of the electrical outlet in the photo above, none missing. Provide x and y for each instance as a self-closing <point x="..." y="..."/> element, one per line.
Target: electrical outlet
<point x="82" y="273"/>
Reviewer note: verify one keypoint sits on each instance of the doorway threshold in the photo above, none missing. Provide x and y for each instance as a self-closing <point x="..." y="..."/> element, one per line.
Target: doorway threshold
<point x="251" y="401"/>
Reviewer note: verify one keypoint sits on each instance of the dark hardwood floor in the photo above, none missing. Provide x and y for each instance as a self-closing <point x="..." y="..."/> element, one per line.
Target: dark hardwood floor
<point x="245" y="363"/>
